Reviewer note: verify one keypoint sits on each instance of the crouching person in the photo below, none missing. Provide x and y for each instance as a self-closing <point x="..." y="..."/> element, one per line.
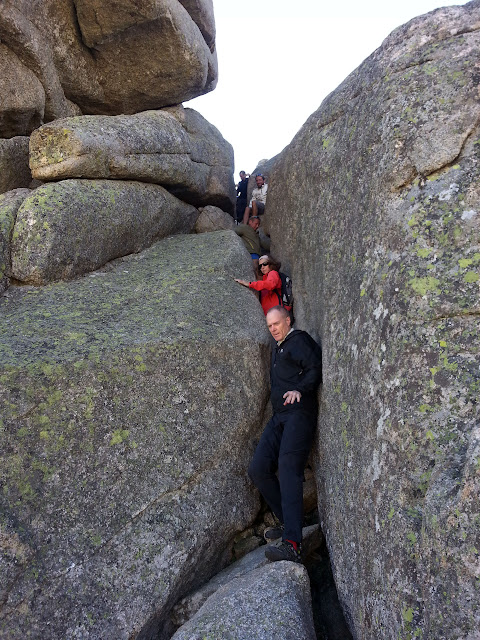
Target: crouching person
<point x="295" y="374"/>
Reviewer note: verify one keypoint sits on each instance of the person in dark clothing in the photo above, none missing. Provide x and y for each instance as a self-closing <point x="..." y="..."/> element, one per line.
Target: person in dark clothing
<point x="241" y="201"/>
<point x="295" y="374"/>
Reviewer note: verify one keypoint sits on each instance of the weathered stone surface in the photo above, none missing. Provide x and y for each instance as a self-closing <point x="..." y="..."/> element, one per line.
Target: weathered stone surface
<point x="186" y="608"/>
<point x="68" y="228"/>
<point x="208" y="142"/>
<point x="375" y="207"/>
<point x="271" y="602"/>
<point x="23" y="97"/>
<point x="201" y="12"/>
<point x="100" y="20"/>
<point x="128" y="421"/>
<point x="14" y="169"/>
<point x="213" y="219"/>
<point x="113" y="56"/>
<point x="174" y="147"/>
<point x="9" y="204"/>
<point x="27" y="40"/>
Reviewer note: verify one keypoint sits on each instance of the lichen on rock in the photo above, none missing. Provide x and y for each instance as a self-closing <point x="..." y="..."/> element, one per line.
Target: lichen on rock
<point x="375" y="209"/>
<point x="175" y="147"/>
<point x="131" y="399"/>
<point x="69" y="228"/>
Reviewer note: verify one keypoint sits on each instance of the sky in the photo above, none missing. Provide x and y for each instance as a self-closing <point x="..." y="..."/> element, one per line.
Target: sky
<point x="278" y="59"/>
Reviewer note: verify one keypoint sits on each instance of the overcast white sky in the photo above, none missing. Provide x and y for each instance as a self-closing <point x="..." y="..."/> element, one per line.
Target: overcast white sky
<point x="278" y="59"/>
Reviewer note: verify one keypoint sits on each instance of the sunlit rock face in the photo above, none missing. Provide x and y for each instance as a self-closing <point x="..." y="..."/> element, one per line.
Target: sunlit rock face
<point x="174" y="147"/>
<point x="269" y="602"/>
<point x="130" y="408"/>
<point x="375" y="209"/>
<point x="122" y="56"/>
<point x="65" y="229"/>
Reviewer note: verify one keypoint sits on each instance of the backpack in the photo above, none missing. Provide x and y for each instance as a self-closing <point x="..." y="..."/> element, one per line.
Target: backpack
<point x="286" y="297"/>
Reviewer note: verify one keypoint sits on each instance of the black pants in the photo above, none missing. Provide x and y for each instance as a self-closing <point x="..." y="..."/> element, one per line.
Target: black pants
<point x="240" y="206"/>
<point x="284" y="446"/>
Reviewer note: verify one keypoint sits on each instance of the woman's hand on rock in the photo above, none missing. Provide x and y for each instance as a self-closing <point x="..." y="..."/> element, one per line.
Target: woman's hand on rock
<point x="243" y="282"/>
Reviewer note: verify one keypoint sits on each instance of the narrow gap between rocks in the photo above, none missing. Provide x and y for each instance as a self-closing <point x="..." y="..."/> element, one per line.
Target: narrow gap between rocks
<point x="328" y="616"/>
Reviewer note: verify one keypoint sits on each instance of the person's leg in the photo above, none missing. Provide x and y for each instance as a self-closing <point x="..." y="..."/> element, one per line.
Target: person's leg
<point x="246" y="215"/>
<point x="263" y="467"/>
<point x="254" y="208"/>
<point x="240" y="209"/>
<point x="298" y="433"/>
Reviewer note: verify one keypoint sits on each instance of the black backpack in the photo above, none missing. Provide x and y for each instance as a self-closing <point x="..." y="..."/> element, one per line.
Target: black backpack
<point x="286" y="296"/>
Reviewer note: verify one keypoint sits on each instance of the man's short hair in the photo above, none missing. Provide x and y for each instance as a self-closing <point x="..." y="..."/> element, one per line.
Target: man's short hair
<point x="282" y="310"/>
<point x="254" y="218"/>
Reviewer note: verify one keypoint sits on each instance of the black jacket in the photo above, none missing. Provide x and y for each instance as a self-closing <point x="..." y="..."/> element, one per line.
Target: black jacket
<point x="242" y="187"/>
<point x="296" y="366"/>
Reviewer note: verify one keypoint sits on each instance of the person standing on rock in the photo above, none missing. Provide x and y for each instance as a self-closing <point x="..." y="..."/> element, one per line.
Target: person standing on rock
<point x="295" y="374"/>
<point x="259" y="198"/>
<point x="241" y="201"/>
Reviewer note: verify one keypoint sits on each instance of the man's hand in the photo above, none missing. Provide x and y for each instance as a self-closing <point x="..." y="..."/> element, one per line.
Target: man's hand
<point x="291" y="396"/>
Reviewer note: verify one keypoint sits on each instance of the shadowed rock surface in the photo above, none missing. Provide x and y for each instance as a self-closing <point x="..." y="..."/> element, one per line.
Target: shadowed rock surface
<point x="129" y="412"/>
<point x="68" y="228"/>
<point x="9" y="205"/>
<point x="175" y="147"/>
<point x="113" y="56"/>
<point x="375" y="209"/>
<point x="270" y="602"/>
<point x="14" y="169"/>
<point x="23" y="98"/>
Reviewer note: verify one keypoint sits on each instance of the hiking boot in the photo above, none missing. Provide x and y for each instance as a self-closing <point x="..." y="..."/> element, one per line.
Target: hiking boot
<point x="273" y="533"/>
<point x="284" y="551"/>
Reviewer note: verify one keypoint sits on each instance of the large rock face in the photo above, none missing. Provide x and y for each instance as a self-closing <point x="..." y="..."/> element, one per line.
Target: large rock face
<point x="128" y="421"/>
<point x="175" y="147"/>
<point x="114" y="56"/>
<point x="68" y="228"/>
<point x="375" y="208"/>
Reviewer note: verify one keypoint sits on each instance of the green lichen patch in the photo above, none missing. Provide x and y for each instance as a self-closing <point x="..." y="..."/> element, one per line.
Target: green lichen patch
<point x="72" y="227"/>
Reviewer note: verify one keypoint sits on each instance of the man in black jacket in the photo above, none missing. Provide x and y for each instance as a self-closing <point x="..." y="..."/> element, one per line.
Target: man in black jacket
<point x="241" y="202"/>
<point x="295" y="374"/>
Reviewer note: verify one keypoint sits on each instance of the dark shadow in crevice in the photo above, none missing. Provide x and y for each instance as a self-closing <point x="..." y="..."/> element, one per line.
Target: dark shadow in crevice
<point x="328" y="616"/>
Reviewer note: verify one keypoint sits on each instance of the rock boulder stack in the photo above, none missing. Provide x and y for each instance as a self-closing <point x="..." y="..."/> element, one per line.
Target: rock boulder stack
<point x="133" y="369"/>
<point x="91" y="93"/>
<point x="63" y="57"/>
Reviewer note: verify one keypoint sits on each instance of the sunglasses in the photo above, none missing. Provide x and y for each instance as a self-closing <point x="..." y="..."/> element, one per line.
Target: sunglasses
<point x="263" y="264"/>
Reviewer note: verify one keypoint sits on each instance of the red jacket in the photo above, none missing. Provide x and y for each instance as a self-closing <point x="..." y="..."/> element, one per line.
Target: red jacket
<point x="269" y="287"/>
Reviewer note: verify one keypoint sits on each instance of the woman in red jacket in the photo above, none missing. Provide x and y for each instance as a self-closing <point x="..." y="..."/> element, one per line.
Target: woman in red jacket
<point x="270" y="286"/>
